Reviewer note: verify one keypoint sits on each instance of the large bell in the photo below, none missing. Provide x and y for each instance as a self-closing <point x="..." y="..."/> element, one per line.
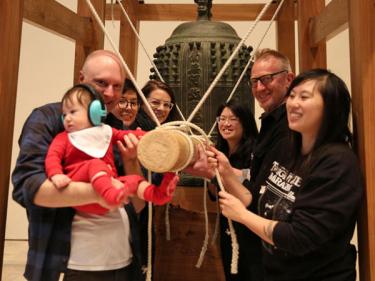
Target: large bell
<point x="193" y="56"/>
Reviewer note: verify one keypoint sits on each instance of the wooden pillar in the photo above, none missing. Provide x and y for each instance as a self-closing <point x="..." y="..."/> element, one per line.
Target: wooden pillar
<point x="310" y="55"/>
<point x="83" y="49"/>
<point x="362" y="60"/>
<point x="11" y="12"/>
<point x="128" y="40"/>
<point x="285" y="32"/>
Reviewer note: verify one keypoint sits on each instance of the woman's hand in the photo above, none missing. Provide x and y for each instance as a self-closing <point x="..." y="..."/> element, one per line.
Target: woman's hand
<point x="231" y="207"/>
<point x="217" y="159"/>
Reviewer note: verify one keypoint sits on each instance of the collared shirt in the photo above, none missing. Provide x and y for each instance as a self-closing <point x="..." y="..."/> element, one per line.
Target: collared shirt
<point x="49" y="228"/>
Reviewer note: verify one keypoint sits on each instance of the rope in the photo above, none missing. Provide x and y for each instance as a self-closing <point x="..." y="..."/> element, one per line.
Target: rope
<point x="206" y="237"/>
<point x="234" y="264"/>
<point x="149" y="242"/>
<point x="144" y="49"/>
<point x="250" y="60"/>
<point x="235" y="250"/>
<point x="115" y="49"/>
<point x="222" y="70"/>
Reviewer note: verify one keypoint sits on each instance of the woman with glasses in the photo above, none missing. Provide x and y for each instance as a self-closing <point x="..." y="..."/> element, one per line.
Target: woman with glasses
<point x="128" y="106"/>
<point x="237" y="131"/>
<point x="162" y="101"/>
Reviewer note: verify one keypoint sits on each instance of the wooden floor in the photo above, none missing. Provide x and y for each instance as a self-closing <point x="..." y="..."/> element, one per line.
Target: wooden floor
<point x="15" y="252"/>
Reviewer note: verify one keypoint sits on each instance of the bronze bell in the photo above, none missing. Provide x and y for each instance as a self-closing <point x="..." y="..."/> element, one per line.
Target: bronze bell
<point x="192" y="57"/>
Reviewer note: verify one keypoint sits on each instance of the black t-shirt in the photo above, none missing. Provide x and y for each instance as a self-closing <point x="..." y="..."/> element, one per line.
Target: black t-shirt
<point x="274" y="128"/>
<point x="316" y="208"/>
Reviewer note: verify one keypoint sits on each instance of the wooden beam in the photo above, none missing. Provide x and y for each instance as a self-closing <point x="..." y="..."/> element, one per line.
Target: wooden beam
<point x="188" y="12"/>
<point x="97" y="42"/>
<point x="128" y="40"/>
<point x="310" y="57"/>
<point x="331" y="21"/>
<point x="362" y="65"/>
<point x="10" y="30"/>
<point x="52" y="15"/>
<point x="285" y="32"/>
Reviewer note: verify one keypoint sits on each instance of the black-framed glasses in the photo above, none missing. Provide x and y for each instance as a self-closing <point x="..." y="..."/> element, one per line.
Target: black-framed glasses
<point x="265" y="79"/>
<point x="125" y="103"/>
<point x="156" y="103"/>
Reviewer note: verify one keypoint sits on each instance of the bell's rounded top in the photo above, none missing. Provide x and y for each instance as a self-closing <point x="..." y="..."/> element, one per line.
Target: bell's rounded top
<point x="203" y="30"/>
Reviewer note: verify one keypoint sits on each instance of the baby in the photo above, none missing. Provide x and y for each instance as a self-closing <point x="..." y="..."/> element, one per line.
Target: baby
<point x="84" y="152"/>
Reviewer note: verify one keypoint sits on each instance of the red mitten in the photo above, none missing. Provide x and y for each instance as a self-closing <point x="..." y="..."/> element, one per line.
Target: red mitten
<point x="131" y="183"/>
<point x="163" y="193"/>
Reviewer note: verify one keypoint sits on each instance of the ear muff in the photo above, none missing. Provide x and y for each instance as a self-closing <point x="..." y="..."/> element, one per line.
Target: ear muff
<point x="96" y="110"/>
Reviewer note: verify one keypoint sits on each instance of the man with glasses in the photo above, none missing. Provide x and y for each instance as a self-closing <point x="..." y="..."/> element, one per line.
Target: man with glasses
<point x="270" y="78"/>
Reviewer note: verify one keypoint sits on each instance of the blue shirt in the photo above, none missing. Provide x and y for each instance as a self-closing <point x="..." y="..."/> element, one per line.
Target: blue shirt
<point x="49" y="228"/>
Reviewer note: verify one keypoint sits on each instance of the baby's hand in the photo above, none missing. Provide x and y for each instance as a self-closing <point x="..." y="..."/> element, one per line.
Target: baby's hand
<point x="60" y="180"/>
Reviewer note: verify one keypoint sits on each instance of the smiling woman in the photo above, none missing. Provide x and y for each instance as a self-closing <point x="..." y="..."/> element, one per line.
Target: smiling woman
<point x="310" y="187"/>
<point x="162" y="100"/>
<point x="236" y="135"/>
<point x="128" y="106"/>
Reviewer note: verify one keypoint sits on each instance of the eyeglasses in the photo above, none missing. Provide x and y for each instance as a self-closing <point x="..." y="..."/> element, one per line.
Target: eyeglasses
<point x="125" y="103"/>
<point x="223" y="119"/>
<point x="155" y="103"/>
<point x="265" y="79"/>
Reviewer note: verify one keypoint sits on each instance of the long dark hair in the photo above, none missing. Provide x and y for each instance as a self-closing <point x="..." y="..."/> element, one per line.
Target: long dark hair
<point x="336" y="109"/>
<point x="250" y="130"/>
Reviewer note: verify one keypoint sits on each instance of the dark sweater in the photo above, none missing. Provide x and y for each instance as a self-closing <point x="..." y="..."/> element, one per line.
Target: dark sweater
<point x="316" y="208"/>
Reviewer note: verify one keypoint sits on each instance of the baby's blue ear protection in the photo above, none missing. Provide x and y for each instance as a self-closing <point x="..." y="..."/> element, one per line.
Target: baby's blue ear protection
<point x="96" y="110"/>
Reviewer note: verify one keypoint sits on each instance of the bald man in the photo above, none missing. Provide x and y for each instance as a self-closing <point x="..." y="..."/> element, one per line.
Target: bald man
<point x="83" y="246"/>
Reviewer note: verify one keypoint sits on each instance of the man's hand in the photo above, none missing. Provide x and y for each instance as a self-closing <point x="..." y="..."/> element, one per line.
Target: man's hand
<point x="200" y="167"/>
<point x="128" y="148"/>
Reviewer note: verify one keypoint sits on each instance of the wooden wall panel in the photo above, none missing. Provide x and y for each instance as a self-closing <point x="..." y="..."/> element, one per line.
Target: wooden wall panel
<point x="331" y="21"/>
<point x="362" y="60"/>
<point x="128" y="40"/>
<point x="97" y="42"/>
<point x="56" y="17"/>
<point x="10" y="30"/>
<point x="309" y="56"/>
<point x="285" y="32"/>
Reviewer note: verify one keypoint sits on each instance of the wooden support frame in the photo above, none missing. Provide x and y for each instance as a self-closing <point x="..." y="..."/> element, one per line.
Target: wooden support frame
<point x="11" y="13"/>
<point x="188" y="12"/>
<point x="362" y="50"/>
<point x="317" y="23"/>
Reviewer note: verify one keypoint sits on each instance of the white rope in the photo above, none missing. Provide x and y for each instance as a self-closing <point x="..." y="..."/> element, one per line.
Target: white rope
<point x="115" y="49"/>
<point x="250" y="60"/>
<point x="235" y="247"/>
<point x="144" y="49"/>
<point x="235" y="250"/>
<point x="222" y="70"/>
<point x="149" y="236"/>
<point x="206" y="237"/>
<point x="217" y="222"/>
